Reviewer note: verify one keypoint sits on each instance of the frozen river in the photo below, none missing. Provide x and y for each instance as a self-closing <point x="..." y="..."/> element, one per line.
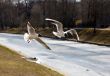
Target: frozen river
<point x="67" y="57"/>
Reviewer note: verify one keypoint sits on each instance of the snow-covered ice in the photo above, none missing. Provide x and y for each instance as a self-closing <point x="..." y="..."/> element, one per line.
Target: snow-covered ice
<point x="68" y="57"/>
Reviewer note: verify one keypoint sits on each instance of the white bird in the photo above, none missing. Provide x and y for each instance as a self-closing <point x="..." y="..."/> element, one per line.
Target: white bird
<point x="33" y="35"/>
<point x="60" y="33"/>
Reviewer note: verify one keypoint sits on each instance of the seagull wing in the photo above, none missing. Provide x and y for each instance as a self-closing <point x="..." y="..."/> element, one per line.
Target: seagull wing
<point x="43" y="43"/>
<point x="72" y="31"/>
<point x="69" y="31"/>
<point x="58" y="24"/>
<point x="30" y="29"/>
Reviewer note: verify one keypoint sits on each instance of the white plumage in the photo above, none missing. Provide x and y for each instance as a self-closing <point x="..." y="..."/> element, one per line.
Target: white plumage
<point x="26" y="37"/>
<point x="33" y="35"/>
<point x="60" y="33"/>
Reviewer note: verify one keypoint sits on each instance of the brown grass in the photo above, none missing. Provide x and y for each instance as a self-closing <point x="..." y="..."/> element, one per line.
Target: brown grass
<point x="11" y="64"/>
<point x="102" y="36"/>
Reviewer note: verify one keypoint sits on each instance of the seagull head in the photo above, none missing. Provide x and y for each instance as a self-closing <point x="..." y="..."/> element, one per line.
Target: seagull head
<point x="26" y="37"/>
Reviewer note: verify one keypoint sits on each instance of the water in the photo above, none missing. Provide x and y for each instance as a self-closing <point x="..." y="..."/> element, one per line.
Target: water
<point x="67" y="57"/>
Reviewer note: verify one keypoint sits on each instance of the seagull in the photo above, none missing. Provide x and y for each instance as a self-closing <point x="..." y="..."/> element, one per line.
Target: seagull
<point x="33" y="35"/>
<point x="60" y="33"/>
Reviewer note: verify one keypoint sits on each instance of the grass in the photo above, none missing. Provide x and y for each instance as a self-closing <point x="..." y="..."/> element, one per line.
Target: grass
<point x="11" y="64"/>
<point x="102" y="36"/>
<point x="13" y="30"/>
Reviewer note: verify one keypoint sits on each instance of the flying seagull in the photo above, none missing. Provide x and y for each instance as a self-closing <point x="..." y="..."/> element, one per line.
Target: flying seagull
<point x="33" y="35"/>
<point x="60" y="33"/>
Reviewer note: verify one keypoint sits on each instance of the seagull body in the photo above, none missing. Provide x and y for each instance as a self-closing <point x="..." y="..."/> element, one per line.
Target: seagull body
<point x="60" y="33"/>
<point x="33" y="35"/>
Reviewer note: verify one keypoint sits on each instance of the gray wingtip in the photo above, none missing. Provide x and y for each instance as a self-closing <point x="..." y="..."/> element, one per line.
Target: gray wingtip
<point x="49" y="48"/>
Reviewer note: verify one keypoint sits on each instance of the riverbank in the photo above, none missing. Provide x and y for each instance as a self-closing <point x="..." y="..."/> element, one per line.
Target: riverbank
<point x="101" y="37"/>
<point x="12" y="64"/>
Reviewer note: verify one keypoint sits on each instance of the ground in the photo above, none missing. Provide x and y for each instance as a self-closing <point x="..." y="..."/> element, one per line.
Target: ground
<point x="11" y="64"/>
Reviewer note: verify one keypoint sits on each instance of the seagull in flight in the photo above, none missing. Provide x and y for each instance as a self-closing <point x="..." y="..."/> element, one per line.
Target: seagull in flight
<point x="33" y="35"/>
<point x="60" y="33"/>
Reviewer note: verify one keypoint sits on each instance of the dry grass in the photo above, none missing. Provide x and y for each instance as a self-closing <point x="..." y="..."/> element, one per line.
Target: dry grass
<point x="102" y="36"/>
<point x="11" y="64"/>
<point x="13" y="30"/>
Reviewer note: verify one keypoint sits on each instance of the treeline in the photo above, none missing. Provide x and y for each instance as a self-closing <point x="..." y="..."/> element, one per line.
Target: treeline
<point x="18" y="13"/>
<point x="89" y="13"/>
<point x="96" y="13"/>
<point x="11" y="15"/>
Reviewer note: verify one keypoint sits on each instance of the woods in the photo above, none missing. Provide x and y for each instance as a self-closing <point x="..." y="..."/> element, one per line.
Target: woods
<point x="90" y="13"/>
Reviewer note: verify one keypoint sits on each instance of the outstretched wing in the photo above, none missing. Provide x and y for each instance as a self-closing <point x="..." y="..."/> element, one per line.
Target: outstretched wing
<point x="43" y="43"/>
<point x="69" y="31"/>
<point x="58" y="24"/>
<point x="30" y="29"/>
<point x="72" y="32"/>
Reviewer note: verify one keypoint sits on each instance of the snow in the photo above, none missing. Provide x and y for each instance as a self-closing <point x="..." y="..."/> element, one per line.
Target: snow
<point x="67" y="57"/>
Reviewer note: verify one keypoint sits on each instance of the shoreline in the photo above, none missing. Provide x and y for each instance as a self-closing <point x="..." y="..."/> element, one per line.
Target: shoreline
<point x="23" y="56"/>
<point x="87" y="42"/>
<point x="101" y="37"/>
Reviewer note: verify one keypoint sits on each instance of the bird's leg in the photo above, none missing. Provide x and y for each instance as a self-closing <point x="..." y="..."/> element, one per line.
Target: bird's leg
<point x="28" y="41"/>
